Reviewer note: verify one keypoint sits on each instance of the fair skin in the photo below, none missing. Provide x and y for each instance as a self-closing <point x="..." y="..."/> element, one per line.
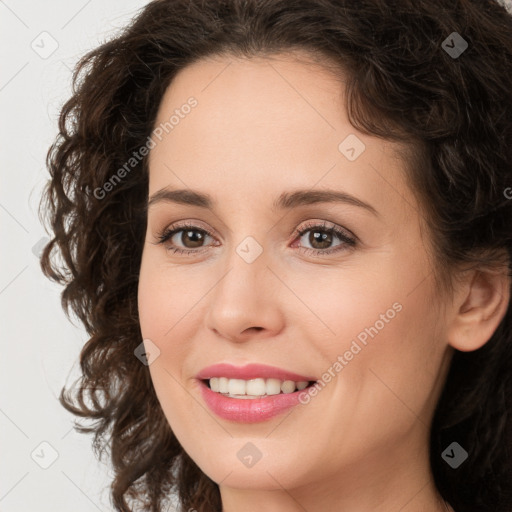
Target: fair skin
<point x="263" y="127"/>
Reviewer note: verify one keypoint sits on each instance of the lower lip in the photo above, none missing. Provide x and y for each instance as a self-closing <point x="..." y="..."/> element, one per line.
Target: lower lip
<point x="250" y="410"/>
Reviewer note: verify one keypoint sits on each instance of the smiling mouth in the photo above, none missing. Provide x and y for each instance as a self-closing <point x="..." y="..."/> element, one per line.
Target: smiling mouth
<point x="254" y="388"/>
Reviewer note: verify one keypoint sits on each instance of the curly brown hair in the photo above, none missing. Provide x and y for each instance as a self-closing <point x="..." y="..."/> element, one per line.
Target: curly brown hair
<point x="454" y="111"/>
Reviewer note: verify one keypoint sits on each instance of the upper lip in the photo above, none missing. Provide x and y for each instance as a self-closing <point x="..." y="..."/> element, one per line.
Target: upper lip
<point x="250" y="371"/>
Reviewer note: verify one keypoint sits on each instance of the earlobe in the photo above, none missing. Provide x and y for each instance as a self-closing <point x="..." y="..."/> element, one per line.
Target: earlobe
<point x="479" y="308"/>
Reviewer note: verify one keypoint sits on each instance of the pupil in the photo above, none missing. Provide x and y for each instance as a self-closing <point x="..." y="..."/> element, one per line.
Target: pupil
<point x="190" y="235"/>
<point x="324" y="237"/>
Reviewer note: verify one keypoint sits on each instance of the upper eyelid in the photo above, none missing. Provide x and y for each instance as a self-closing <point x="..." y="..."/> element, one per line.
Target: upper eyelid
<point x="303" y="225"/>
<point x="307" y="221"/>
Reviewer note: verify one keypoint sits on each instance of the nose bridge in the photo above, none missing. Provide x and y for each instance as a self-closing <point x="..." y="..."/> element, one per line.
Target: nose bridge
<point x="244" y="297"/>
<point x="246" y="267"/>
<point x="249" y="244"/>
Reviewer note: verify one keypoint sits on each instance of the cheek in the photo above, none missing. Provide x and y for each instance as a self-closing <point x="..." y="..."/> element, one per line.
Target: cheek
<point x="158" y="305"/>
<point x="169" y="313"/>
<point x="385" y="331"/>
<point x="349" y="305"/>
<point x="396" y="367"/>
<point x="160" y="309"/>
<point x="163" y="297"/>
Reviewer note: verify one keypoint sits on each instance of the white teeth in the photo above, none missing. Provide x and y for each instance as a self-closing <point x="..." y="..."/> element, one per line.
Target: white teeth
<point x="273" y="386"/>
<point x="254" y="388"/>
<point x="223" y="385"/>
<point x="214" y="384"/>
<point x="288" y="386"/>
<point x="236" y="387"/>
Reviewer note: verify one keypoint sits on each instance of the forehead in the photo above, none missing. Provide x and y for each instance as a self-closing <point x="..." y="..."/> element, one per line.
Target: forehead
<point x="268" y="124"/>
<point x="273" y="101"/>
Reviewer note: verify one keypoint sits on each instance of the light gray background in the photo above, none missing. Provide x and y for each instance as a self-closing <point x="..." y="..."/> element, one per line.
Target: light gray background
<point x="40" y="347"/>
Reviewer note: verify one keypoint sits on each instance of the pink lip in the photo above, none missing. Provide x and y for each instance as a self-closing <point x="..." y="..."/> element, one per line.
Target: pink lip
<point x="252" y="410"/>
<point x="250" y="371"/>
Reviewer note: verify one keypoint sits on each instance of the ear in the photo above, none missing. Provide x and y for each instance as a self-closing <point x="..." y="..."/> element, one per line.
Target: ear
<point x="480" y="305"/>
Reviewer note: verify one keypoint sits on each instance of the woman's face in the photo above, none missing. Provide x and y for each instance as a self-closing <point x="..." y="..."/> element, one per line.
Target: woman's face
<point x="361" y="316"/>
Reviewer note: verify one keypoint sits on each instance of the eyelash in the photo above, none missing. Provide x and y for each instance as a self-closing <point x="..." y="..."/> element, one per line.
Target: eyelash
<point x="347" y="240"/>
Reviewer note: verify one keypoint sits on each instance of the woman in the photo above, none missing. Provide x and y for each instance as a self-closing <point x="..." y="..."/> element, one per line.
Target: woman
<point x="286" y="228"/>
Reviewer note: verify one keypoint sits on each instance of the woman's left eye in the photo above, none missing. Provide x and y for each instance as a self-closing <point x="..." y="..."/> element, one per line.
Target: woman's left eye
<point x="323" y="235"/>
<point x="320" y="235"/>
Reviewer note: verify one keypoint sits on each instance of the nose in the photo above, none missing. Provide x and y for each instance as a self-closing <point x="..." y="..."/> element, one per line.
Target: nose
<point x="244" y="302"/>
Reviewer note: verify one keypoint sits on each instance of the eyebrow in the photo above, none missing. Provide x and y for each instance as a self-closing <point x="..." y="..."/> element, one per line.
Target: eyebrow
<point x="286" y="201"/>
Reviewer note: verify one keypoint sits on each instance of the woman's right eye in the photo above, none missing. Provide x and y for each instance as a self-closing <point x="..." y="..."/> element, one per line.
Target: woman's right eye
<point x="191" y="233"/>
